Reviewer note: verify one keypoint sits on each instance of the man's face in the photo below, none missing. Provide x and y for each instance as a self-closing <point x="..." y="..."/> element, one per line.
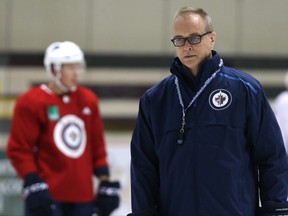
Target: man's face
<point x="70" y="74"/>
<point x="191" y="55"/>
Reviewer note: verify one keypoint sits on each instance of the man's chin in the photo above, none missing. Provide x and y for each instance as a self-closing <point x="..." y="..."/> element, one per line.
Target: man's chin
<point x="189" y="62"/>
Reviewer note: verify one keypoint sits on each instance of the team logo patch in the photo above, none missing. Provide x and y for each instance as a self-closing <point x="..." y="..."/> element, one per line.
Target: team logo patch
<point x="220" y="99"/>
<point x="53" y="113"/>
<point x="70" y="136"/>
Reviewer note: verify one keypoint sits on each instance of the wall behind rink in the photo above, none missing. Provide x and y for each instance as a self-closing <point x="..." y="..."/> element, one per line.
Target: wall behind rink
<point x="134" y="26"/>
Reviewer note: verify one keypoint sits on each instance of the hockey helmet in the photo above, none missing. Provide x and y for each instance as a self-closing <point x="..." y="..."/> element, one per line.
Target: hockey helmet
<point x="59" y="53"/>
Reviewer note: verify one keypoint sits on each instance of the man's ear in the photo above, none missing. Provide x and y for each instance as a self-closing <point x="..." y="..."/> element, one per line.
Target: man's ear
<point x="213" y="39"/>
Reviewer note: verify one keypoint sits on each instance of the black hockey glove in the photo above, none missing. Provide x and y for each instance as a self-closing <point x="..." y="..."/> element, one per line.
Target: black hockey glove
<point x="37" y="197"/>
<point x="273" y="209"/>
<point x="107" y="198"/>
<point x="150" y="212"/>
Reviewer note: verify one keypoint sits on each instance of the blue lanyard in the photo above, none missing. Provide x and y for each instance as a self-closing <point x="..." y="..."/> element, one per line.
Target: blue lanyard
<point x="184" y="110"/>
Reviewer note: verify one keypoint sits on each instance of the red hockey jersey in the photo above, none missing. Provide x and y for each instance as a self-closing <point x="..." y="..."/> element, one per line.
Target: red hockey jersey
<point x="61" y="138"/>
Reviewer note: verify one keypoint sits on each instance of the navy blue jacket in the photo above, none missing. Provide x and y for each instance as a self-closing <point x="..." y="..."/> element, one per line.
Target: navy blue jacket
<point x="231" y="135"/>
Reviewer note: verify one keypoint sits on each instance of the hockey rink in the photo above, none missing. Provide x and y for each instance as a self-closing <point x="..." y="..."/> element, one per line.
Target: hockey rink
<point x="118" y="148"/>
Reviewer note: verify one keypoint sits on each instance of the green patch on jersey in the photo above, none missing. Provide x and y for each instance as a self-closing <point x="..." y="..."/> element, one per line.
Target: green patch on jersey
<point x="53" y="113"/>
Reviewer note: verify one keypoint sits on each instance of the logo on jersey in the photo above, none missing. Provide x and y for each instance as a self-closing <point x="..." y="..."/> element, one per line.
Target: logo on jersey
<point x="70" y="136"/>
<point x="220" y="99"/>
<point x="53" y="113"/>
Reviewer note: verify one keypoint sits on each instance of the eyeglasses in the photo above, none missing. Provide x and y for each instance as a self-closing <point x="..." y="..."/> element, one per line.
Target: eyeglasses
<point x="192" y="39"/>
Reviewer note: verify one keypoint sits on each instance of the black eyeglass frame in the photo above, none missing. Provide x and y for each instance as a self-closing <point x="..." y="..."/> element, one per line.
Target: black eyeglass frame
<point x="187" y="39"/>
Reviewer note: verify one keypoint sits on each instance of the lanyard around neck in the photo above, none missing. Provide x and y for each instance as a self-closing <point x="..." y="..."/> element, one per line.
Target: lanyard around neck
<point x="184" y="110"/>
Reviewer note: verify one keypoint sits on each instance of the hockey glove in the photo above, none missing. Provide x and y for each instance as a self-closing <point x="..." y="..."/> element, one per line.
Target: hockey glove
<point x="107" y="198"/>
<point x="273" y="209"/>
<point x="37" y="197"/>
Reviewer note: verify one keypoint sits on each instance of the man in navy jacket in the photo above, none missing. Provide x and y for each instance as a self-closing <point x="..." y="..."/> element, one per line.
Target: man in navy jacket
<point x="206" y="142"/>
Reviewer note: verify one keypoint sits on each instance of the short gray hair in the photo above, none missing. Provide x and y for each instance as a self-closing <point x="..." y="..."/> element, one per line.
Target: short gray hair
<point x="201" y="12"/>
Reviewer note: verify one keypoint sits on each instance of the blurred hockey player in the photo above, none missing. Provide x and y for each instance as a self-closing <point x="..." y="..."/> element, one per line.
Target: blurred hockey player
<point x="57" y="142"/>
<point x="281" y="111"/>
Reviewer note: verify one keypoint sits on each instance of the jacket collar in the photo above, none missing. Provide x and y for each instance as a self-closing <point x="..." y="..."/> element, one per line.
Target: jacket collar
<point x="208" y="67"/>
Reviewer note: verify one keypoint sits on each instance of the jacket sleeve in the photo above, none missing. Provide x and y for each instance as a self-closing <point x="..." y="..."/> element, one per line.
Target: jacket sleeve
<point x="269" y="151"/>
<point x="144" y="163"/>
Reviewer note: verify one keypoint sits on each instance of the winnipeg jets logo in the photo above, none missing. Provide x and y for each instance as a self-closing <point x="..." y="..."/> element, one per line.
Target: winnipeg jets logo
<point x="220" y="99"/>
<point x="70" y="136"/>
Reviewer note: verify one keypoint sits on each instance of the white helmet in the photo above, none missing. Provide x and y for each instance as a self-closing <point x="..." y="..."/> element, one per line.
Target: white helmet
<point x="59" y="53"/>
